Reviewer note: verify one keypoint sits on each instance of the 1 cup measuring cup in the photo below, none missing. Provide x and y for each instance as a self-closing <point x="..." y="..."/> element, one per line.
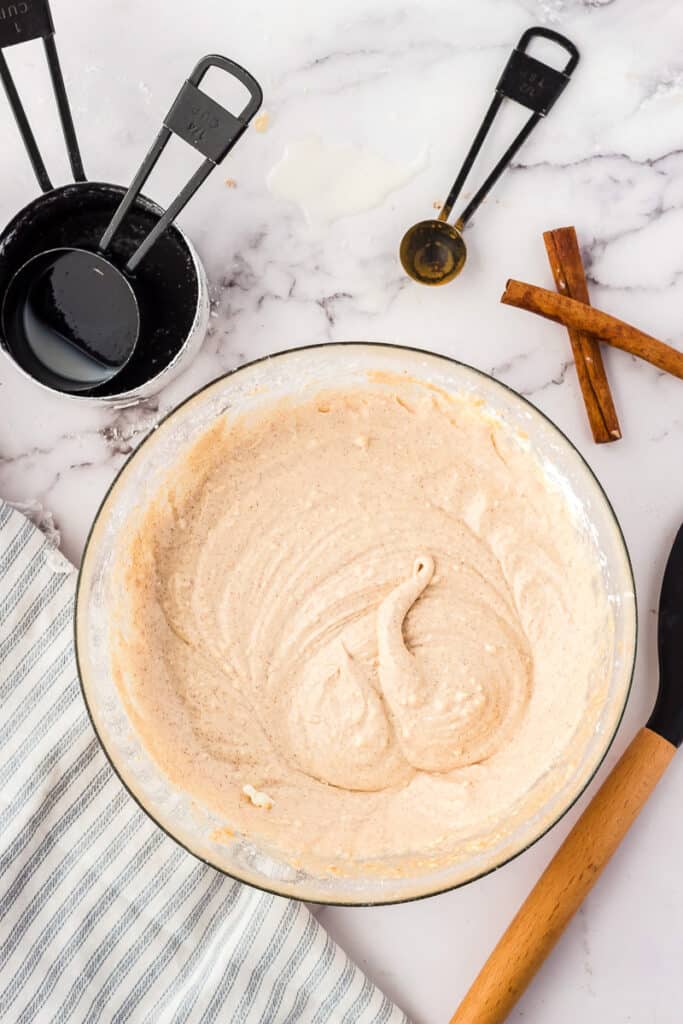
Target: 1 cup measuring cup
<point x="433" y="251"/>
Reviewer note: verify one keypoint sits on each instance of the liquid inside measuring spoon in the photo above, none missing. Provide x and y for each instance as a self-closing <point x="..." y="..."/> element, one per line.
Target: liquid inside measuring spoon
<point x="433" y="252"/>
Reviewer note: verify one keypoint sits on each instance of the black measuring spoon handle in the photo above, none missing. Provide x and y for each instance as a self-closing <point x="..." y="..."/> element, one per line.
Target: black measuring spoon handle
<point x="472" y="154"/>
<point x="21" y="23"/>
<point x="504" y="162"/>
<point x="529" y="82"/>
<point x="540" y="32"/>
<point x="200" y="121"/>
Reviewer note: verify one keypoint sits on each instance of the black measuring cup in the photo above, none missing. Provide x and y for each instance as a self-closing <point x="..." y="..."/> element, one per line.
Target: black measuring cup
<point x="433" y="251"/>
<point x="72" y="314"/>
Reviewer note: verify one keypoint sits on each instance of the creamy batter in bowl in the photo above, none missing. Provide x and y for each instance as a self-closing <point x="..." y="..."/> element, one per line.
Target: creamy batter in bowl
<point x="356" y="624"/>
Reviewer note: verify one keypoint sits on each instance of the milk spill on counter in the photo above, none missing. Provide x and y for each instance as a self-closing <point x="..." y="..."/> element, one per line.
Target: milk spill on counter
<point x="331" y="180"/>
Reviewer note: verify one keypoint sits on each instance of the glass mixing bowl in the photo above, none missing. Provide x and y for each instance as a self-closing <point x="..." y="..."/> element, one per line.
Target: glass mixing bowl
<point x="300" y="374"/>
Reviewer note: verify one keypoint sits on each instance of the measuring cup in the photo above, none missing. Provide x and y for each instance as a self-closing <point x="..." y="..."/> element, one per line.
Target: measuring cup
<point x="73" y="310"/>
<point x="433" y="251"/>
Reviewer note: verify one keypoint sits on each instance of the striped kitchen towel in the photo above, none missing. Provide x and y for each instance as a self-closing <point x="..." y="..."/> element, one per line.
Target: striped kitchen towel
<point x="103" y="918"/>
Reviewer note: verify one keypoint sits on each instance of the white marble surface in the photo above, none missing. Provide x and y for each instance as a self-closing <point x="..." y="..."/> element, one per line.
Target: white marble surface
<point x="400" y="79"/>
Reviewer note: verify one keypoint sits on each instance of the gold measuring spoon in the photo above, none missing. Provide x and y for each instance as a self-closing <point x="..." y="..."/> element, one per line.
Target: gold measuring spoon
<point x="434" y="251"/>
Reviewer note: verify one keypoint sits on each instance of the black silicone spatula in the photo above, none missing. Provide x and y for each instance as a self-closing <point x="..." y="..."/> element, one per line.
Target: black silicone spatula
<point x="588" y="847"/>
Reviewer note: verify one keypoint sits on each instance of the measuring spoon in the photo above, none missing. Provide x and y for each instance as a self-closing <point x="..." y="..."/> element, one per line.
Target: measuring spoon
<point x="434" y="251"/>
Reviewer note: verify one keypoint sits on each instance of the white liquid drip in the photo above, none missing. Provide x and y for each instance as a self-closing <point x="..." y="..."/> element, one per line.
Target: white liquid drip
<point x="329" y="180"/>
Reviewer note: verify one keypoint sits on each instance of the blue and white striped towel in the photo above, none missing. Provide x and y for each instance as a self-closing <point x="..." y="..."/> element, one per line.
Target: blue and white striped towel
<point x="103" y="918"/>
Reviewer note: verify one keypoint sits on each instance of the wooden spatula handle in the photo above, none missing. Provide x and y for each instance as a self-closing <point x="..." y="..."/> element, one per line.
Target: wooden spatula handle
<point x="565" y="882"/>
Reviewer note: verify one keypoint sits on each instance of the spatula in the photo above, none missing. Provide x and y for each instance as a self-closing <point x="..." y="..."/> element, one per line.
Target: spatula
<point x="578" y="863"/>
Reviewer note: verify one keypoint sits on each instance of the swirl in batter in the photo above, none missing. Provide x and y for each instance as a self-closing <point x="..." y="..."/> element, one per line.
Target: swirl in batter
<point x="372" y="610"/>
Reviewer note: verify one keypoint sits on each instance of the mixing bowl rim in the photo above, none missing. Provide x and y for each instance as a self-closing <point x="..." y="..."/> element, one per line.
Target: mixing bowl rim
<point x="283" y="892"/>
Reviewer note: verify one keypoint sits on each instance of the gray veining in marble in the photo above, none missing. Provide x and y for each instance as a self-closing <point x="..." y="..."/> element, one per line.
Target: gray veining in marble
<point x="400" y="78"/>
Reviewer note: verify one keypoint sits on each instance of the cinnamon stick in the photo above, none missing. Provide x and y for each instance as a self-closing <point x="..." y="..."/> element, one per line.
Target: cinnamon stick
<point x="564" y="256"/>
<point x="571" y="313"/>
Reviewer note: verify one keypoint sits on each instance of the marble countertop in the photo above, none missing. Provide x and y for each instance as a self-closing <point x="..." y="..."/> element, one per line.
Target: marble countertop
<point x="409" y="82"/>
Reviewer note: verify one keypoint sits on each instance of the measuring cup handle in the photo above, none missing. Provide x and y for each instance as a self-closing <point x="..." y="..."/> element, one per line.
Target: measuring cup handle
<point x="214" y="60"/>
<point x="205" y="125"/>
<point x="20" y="23"/>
